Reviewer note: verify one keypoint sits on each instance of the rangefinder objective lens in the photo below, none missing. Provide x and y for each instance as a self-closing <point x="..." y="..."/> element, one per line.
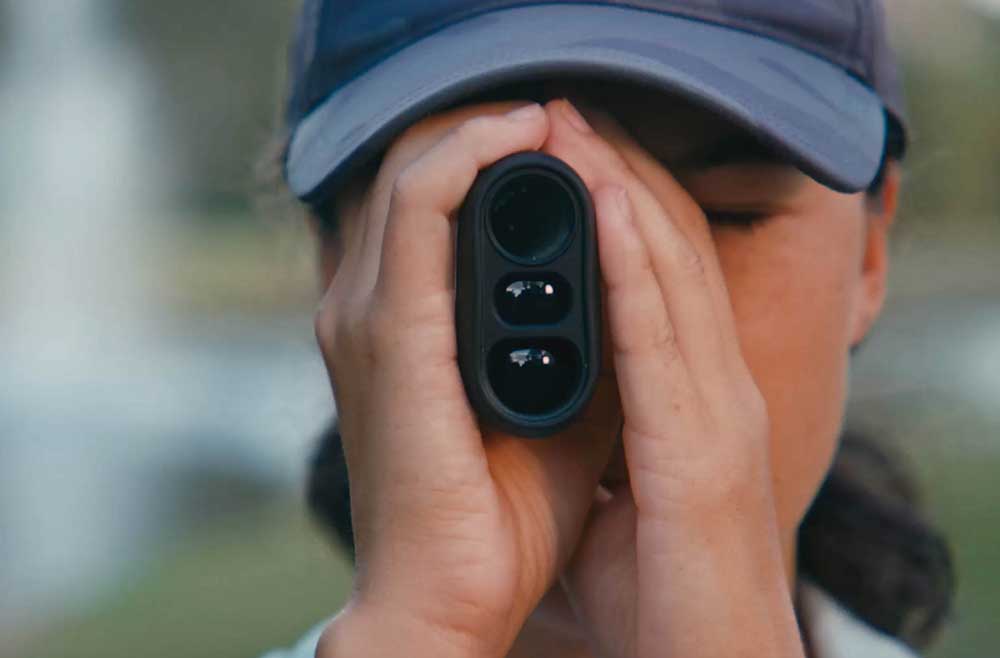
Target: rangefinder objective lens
<point x="542" y="299"/>
<point x="534" y="377"/>
<point x="532" y="217"/>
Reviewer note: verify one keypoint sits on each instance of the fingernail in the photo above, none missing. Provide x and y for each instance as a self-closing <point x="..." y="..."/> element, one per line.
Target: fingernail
<point x="575" y="118"/>
<point x="526" y="113"/>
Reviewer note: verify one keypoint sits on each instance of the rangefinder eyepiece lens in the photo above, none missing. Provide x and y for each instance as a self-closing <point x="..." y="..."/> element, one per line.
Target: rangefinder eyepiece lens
<point x="532" y="299"/>
<point x="534" y="377"/>
<point x="531" y="217"/>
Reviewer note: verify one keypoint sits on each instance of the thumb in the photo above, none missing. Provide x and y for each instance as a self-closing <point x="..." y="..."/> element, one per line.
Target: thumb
<point x="600" y="580"/>
<point x="556" y="492"/>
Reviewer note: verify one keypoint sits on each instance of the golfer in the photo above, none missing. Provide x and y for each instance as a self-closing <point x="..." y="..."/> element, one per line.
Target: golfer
<point x="744" y="161"/>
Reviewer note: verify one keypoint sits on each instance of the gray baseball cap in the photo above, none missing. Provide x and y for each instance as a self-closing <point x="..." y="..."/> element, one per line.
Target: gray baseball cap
<point x="814" y="79"/>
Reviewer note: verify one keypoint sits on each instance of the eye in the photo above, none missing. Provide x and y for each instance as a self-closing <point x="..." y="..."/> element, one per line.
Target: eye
<point x="736" y="218"/>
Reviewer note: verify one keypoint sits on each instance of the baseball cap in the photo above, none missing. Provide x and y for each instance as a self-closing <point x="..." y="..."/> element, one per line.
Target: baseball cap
<point x="814" y="79"/>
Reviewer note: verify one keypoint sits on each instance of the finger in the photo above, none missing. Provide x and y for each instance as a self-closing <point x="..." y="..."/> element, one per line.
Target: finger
<point x="600" y="581"/>
<point x="650" y="368"/>
<point x="417" y="250"/>
<point x="411" y="316"/>
<point x="676" y="265"/>
<point x="352" y="237"/>
<point x="564" y="471"/>
<point x="407" y="148"/>
<point x="677" y="203"/>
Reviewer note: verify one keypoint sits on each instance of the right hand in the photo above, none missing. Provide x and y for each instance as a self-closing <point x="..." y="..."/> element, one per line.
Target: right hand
<point x="459" y="531"/>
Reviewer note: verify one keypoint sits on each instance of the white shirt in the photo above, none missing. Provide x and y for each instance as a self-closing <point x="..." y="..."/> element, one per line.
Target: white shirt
<point x="833" y="631"/>
<point x="836" y="633"/>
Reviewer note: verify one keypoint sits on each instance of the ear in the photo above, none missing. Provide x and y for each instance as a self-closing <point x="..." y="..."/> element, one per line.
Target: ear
<point x="874" y="265"/>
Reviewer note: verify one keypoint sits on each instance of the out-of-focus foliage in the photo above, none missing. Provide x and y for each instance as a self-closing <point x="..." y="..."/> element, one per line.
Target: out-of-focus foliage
<point x="221" y="73"/>
<point x="4" y="30"/>
<point x="951" y="62"/>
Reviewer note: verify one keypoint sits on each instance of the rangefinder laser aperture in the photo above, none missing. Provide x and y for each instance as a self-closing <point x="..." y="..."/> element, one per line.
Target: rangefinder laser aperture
<point x="531" y="216"/>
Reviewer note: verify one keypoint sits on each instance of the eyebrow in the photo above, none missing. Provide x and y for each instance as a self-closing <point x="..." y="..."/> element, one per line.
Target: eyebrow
<point x="732" y="150"/>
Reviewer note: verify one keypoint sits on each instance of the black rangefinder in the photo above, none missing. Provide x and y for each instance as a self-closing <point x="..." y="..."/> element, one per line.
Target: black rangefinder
<point x="527" y="298"/>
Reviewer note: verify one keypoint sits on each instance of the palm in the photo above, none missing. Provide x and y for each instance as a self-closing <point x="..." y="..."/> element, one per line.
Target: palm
<point x="541" y="511"/>
<point x="504" y="530"/>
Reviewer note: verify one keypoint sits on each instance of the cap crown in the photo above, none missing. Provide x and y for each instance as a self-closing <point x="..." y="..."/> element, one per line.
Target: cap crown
<point x="336" y="40"/>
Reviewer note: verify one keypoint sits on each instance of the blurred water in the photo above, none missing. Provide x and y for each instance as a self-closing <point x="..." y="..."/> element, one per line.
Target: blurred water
<point x="73" y="282"/>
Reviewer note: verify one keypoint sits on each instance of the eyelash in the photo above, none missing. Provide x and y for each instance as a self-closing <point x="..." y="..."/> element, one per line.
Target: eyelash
<point x="737" y="218"/>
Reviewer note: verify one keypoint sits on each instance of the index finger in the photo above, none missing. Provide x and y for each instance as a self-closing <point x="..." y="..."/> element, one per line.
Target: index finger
<point x="677" y="202"/>
<point x="417" y="261"/>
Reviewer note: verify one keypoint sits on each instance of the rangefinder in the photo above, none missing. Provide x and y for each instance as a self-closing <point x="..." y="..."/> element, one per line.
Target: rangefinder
<point x="527" y="295"/>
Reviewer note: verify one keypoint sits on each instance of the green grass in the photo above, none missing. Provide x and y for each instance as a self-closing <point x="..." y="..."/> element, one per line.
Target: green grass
<point x="965" y="501"/>
<point x="954" y="450"/>
<point x="233" y="591"/>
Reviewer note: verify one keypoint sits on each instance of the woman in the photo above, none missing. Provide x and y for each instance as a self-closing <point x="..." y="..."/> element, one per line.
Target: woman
<point x="745" y="183"/>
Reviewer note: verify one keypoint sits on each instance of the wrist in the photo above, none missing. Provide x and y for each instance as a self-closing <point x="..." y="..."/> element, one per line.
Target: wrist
<point x="362" y="631"/>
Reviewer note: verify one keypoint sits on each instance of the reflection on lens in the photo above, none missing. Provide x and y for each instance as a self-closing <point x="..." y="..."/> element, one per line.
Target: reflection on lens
<point x="541" y="299"/>
<point x="532" y="218"/>
<point x="534" y="377"/>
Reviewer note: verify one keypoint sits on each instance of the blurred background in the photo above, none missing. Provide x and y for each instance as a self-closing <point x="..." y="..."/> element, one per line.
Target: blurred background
<point x="160" y="391"/>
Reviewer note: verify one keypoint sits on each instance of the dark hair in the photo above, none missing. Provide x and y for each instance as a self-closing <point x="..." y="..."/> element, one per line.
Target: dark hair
<point x="864" y="539"/>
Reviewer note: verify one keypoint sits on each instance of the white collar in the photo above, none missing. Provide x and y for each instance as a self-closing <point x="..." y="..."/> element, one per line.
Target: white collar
<point x="836" y="633"/>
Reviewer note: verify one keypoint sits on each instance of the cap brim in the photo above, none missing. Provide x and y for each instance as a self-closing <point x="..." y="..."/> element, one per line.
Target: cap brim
<point x="824" y="120"/>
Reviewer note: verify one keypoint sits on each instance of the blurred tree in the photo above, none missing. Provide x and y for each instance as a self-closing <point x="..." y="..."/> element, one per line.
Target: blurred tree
<point x="4" y="33"/>
<point x="951" y="61"/>
<point x="219" y="68"/>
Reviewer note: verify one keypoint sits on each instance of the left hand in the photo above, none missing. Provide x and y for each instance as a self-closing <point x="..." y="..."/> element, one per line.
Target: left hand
<point x="685" y="559"/>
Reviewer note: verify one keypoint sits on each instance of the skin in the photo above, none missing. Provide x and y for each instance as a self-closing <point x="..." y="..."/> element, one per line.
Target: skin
<point x="664" y="522"/>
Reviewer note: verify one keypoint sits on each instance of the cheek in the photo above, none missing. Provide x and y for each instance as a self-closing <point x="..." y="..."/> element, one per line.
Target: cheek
<point x="792" y="282"/>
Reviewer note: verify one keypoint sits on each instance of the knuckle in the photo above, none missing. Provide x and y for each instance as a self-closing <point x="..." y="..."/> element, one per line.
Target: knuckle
<point x="345" y="334"/>
<point x="691" y="263"/>
<point x="325" y="326"/>
<point x="755" y="402"/>
<point x="754" y="411"/>
<point x="725" y="489"/>
<point x="381" y="327"/>
<point x="720" y="477"/>
<point x="353" y="324"/>
<point x="664" y="341"/>
<point x="406" y="188"/>
<point x="474" y="130"/>
<point x="701" y="487"/>
<point x="643" y="261"/>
